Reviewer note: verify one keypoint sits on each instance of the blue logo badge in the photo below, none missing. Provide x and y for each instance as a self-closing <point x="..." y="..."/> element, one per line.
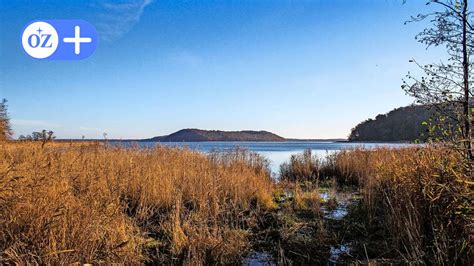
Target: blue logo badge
<point x="59" y="39"/>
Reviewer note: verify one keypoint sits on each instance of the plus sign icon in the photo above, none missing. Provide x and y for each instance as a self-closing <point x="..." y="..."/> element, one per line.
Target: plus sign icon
<point x="59" y="39"/>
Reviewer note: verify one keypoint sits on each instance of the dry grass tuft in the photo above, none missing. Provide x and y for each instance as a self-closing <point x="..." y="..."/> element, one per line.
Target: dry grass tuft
<point x="307" y="200"/>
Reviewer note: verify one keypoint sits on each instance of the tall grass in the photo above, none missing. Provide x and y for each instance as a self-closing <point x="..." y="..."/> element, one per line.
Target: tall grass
<point x="66" y="204"/>
<point x="421" y="196"/>
<point x="305" y="166"/>
<point x="91" y="203"/>
<point x="301" y="167"/>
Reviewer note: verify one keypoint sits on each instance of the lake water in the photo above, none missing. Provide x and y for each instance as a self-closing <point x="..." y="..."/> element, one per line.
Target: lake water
<point x="276" y="152"/>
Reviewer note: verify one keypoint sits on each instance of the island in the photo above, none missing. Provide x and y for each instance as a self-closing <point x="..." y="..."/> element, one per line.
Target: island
<point x="199" y="135"/>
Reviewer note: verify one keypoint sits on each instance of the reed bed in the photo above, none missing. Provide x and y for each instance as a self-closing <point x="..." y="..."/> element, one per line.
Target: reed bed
<point x="69" y="203"/>
<point x="422" y="198"/>
<point x="93" y="203"/>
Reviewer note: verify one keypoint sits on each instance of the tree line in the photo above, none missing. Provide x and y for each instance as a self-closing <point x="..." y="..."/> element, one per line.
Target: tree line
<point x="409" y="123"/>
<point x="6" y="131"/>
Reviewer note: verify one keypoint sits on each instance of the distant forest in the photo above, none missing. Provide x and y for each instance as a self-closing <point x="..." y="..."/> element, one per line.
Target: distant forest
<point x="402" y="124"/>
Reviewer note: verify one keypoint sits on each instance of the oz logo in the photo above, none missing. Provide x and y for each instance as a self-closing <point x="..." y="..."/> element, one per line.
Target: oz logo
<point x="40" y="40"/>
<point x="59" y="39"/>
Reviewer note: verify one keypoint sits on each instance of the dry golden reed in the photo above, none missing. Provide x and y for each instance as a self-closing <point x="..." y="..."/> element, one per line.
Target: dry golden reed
<point x="89" y="203"/>
<point x="422" y="196"/>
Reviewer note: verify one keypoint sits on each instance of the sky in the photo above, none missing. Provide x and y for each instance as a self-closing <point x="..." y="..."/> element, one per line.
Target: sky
<point x="300" y="69"/>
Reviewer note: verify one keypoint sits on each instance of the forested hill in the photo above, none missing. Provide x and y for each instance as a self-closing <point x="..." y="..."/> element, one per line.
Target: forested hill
<point x="193" y="135"/>
<point x="401" y="124"/>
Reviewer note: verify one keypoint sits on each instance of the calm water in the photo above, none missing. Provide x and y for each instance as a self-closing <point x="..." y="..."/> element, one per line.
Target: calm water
<point x="276" y="152"/>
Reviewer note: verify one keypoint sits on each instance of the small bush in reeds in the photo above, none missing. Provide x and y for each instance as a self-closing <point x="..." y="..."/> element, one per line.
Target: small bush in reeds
<point x="305" y="166"/>
<point x="68" y="203"/>
<point x="301" y="167"/>
<point x="346" y="168"/>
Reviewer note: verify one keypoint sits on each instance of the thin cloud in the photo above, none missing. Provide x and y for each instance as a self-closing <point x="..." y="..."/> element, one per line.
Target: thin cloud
<point x="118" y="17"/>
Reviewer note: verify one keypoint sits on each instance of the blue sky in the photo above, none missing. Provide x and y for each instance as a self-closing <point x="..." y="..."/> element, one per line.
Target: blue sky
<point x="301" y="69"/>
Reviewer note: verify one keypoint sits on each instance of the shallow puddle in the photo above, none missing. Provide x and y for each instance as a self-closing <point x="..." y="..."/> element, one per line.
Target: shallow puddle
<point x="344" y="200"/>
<point x="338" y="214"/>
<point x="337" y="251"/>
<point x="259" y="259"/>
